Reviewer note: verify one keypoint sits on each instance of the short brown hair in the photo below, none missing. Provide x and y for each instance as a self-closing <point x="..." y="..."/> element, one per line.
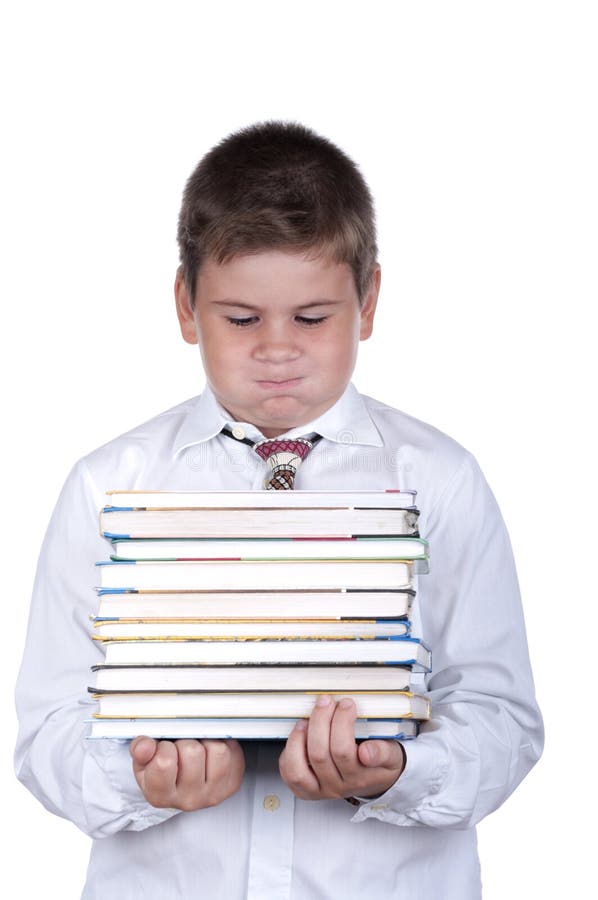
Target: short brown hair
<point x="277" y="185"/>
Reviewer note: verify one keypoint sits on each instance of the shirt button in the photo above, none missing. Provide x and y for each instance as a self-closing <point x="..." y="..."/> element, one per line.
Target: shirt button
<point x="238" y="433"/>
<point x="271" y="802"/>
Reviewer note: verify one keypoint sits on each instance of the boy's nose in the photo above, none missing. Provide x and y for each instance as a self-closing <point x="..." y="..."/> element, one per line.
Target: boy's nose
<point x="276" y="345"/>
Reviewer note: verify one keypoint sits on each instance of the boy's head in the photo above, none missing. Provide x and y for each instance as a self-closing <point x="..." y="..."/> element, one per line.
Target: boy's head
<point x="277" y="186"/>
<point x="278" y="278"/>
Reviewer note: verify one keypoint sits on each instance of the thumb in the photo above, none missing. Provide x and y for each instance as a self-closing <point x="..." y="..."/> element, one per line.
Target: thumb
<point x="142" y="750"/>
<point x="382" y="754"/>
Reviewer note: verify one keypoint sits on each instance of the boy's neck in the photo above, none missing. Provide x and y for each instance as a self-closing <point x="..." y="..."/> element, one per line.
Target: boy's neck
<point x="273" y="432"/>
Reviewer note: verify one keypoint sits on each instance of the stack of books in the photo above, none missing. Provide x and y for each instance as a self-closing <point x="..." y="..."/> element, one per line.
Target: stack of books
<point x="225" y="614"/>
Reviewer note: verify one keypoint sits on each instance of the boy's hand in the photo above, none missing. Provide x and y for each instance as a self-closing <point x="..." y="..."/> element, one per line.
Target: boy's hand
<point x="187" y="774"/>
<point x="322" y="760"/>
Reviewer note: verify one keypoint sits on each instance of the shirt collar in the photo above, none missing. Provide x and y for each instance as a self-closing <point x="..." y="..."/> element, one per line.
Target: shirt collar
<point x="347" y="422"/>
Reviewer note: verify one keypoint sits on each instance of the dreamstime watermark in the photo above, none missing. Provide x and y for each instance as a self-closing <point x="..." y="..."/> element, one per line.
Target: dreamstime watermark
<point x="345" y="455"/>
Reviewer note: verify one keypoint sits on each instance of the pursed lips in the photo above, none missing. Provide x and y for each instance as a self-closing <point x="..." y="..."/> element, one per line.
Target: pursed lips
<point x="279" y="380"/>
<point x="279" y="384"/>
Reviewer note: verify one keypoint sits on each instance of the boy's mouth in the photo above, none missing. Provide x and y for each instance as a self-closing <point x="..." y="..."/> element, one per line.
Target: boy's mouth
<point x="279" y="384"/>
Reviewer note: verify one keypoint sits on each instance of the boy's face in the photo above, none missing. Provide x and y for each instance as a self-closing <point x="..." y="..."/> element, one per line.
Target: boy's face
<point x="278" y="334"/>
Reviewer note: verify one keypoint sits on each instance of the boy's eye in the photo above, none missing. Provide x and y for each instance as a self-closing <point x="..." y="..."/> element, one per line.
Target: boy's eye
<point x="244" y="321"/>
<point x="241" y="321"/>
<point x="306" y="320"/>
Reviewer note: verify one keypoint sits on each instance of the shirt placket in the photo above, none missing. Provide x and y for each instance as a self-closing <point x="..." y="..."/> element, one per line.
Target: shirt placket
<point x="272" y="823"/>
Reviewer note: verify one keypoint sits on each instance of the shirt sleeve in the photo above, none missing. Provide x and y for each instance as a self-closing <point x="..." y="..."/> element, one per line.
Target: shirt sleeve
<point x="486" y="730"/>
<point x="90" y="782"/>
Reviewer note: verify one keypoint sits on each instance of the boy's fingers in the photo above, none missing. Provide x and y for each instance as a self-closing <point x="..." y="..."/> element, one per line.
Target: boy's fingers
<point x="237" y="758"/>
<point x="318" y="742"/>
<point x="142" y="750"/>
<point x="191" y="773"/>
<point x="342" y="739"/>
<point x="159" y="775"/>
<point x="294" y="764"/>
<point x="218" y="760"/>
<point x="225" y="767"/>
<point x="382" y="754"/>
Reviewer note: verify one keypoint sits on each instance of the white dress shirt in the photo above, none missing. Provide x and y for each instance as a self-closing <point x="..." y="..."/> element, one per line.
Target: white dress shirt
<point x="415" y="841"/>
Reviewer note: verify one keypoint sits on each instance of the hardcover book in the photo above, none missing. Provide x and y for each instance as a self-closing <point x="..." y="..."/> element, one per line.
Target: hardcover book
<point x="197" y="630"/>
<point x="262" y="704"/>
<point x="326" y="605"/>
<point x="257" y="574"/>
<point x="239" y="728"/>
<point x="404" y="651"/>
<point x="251" y="678"/>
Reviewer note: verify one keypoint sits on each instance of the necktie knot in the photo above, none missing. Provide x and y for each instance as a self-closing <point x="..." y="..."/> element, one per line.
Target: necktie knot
<point x="284" y="458"/>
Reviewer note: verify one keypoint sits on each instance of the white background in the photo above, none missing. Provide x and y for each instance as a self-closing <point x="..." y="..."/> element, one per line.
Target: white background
<point x="475" y="125"/>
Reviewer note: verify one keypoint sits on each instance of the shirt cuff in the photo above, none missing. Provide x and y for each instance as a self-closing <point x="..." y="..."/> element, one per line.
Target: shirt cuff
<point x="114" y="799"/>
<point x="422" y="778"/>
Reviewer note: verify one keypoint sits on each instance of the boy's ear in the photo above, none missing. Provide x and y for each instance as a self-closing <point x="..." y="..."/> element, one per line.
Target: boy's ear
<point x="184" y="309"/>
<point x="368" y="307"/>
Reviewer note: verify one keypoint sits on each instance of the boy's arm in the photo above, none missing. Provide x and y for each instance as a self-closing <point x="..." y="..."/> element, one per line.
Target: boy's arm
<point x="486" y="730"/>
<point x="89" y="782"/>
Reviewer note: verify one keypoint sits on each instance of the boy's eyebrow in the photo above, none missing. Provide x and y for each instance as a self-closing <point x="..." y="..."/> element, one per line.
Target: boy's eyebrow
<point x="242" y="305"/>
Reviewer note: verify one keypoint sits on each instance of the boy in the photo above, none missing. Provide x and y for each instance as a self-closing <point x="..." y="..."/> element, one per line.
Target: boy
<point x="278" y="283"/>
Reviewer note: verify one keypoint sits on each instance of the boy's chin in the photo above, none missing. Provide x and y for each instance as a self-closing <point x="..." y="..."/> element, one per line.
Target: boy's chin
<point x="273" y="426"/>
<point x="280" y="414"/>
